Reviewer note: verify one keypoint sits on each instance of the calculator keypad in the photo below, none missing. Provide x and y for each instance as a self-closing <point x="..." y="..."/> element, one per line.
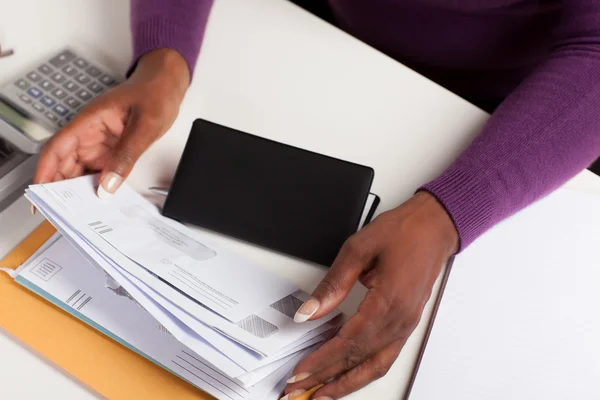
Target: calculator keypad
<point x="83" y="79"/>
<point x="22" y="83"/>
<point x="60" y="110"/>
<point x="70" y="86"/>
<point x="95" y="87"/>
<point x="57" y="89"/>
<point x="73" y="103"/>
<point x="62" y="58"/>
<point x="34" y="76"/>
<point x="84" y="95"/>
<point x="59" y="93"/>
<point x="58" y="77"/>
<point x="34" y="92"/>
<point x="69" y="70"/>
<point x="44" y="69"/>
<point x="51" y="116"/>
<point x="47" y="101"/>
<point x="46" y="85"/>
<point x="81" y="63"/>
<point x="93" y="71"/>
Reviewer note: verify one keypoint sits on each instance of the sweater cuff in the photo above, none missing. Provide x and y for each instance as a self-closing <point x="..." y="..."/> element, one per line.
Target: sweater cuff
<point x="468" y="199"/>
<point x="158" y="33"/>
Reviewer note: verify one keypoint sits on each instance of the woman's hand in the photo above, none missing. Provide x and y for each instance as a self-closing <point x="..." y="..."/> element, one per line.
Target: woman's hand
<point x="112" y="132"/>
<point x="398" y="257"/>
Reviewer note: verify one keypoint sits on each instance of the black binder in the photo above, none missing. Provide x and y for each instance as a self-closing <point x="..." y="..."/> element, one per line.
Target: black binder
<point x="277" y="196"/>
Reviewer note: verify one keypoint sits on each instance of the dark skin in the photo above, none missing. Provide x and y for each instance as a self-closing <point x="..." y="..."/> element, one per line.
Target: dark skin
<point x="114" y="130"/>
<point x="398" y="256"/>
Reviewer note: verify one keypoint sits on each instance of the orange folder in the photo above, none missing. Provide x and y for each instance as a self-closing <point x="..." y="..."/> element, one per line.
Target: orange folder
<point x="98" y="361"/>
<point x="102" y="364"/>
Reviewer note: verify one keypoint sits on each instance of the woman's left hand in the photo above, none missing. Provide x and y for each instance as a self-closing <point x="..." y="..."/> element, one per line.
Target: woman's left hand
<point x="398" y="257"/>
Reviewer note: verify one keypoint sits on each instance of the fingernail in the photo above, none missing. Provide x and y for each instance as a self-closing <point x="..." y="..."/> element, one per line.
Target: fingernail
<point x="324" y="398"/>
<point x="293" y="394"/>
<point x="109" y="185"/>
<point x="307" y="310"/>
<point x="299" y="377"/>
<point x="33" y="209"/>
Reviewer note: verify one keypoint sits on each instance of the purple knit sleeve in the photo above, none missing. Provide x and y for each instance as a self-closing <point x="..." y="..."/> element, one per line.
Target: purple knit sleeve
<point x="173" y="24"/>
<point x="544" y="133"/>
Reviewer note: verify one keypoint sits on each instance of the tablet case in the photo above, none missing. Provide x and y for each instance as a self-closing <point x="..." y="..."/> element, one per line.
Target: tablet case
<point x="274" y="195"/>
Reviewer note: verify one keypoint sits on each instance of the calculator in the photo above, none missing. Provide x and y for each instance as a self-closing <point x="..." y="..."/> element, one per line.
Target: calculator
<point x="36" y="104"/>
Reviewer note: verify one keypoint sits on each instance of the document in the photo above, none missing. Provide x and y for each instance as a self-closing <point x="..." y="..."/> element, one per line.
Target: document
<point x="62" y="275"/>
<point x="226" y="355"/>
<point x="179" y="257"/>
<point x="128" y="241"/>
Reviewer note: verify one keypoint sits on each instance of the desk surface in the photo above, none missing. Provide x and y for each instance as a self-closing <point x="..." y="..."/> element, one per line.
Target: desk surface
<point x="271" y="69"/>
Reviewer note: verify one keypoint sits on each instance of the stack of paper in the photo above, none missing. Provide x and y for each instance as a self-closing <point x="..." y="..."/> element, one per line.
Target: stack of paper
<point x="216" y="320"/>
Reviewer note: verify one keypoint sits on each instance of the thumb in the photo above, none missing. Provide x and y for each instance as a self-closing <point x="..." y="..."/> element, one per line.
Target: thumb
<point x="354" y="257"/>
<point x="135" y="140"/>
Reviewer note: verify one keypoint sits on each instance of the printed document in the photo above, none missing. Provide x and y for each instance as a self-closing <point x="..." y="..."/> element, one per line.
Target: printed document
<point x="171" y="252"/>
<point x="62" y="275"/>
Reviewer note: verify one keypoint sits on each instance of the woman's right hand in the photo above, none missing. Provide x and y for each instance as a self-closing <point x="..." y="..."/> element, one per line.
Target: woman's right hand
<point x="114" y="130"/>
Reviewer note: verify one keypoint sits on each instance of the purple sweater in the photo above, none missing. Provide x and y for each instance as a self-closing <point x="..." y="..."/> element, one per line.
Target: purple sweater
<point x="541" y="56"/>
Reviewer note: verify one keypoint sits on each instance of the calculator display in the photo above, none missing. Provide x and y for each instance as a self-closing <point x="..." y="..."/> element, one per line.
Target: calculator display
<point x="26" y="125"/>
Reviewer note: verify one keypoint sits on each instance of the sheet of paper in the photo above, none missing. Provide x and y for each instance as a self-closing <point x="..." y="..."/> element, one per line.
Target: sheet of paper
<point x="67" y="279"/>
<point x="180" y="257"/>
<point x="183" y="331"/>
<point x="225" y="360"/>
<point x="518" y="319"/>
<point x="266" y="332"/>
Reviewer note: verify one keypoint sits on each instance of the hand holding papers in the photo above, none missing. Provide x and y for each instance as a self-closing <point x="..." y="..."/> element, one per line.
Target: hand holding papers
<point x="205" y="297"/>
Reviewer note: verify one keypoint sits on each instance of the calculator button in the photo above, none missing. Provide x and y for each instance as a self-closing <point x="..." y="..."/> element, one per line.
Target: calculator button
<point x="84" y="95"/>
<point x="59" y="93"/>
<point x="34" y="92"/>
<point x="81" y="63"/>
<point x="44" y="69"/>
<point x="83" y="79"/>
<point x="93" y="71"/>
<point x="47" y="101"/>
<point x="25" y="99"/>
<point x="58" y="77"/>
<point x="34" y="76"/>
<point x="22" y="83"/>
<point x="69" y="117"/>
<point x="51" y="116"/>
<point x="60" y="110"/>
<point x="46" y="85"/>
<point x="62" y="59"/>
<point x="95" y="87"/>
<point x="73" y="103"/>
<point x="107" y="80"/>
<point x="70" y="86"/>
<point x="38" y="108"/>
<point x="70" y="70"/>
<point x="61" y="123"/>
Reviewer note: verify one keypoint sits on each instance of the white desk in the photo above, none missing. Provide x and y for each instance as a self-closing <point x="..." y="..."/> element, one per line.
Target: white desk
<point x="268" y="68"/>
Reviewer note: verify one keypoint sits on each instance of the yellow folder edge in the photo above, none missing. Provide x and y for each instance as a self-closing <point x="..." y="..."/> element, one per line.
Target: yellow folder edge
<point x="99" y="362"/>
